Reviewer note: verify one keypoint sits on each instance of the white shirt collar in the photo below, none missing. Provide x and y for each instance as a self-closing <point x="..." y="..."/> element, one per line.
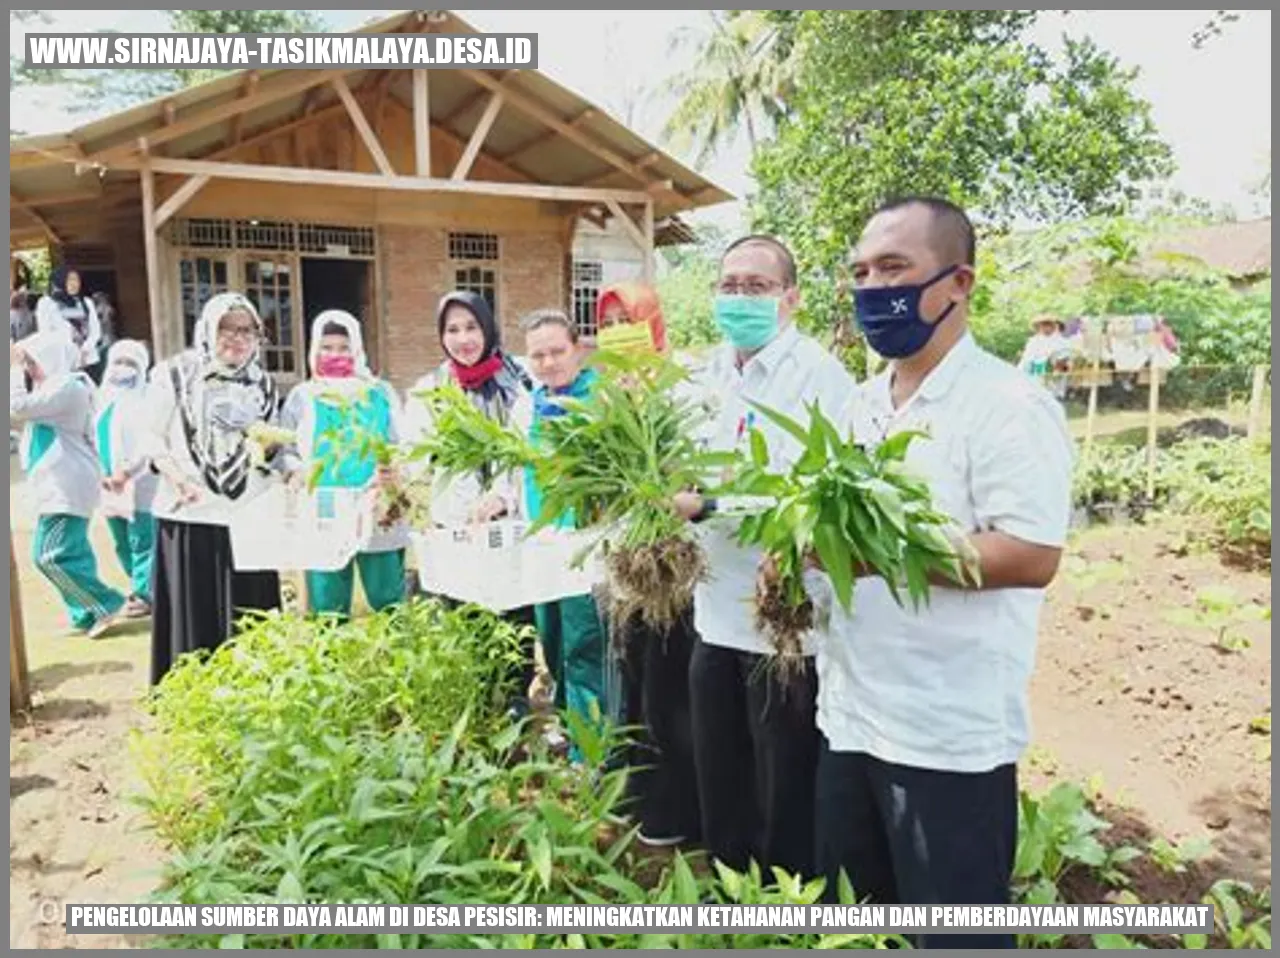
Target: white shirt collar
<point x="937" y="383"/>
<point x="767" y="359"/>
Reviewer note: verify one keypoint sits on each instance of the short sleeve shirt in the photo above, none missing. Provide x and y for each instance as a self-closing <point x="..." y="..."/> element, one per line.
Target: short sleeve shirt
<point x="945" y="687"/>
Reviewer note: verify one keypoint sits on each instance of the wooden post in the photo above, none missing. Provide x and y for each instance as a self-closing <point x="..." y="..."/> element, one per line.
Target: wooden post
<point x="421" y="123"/>
<point x="19" y="680"/>
<point x="1153" y="410"/>
<point x="1255" y="399"/>
<point x="159" y="337"/>
<point x="1092" y="414"/>
<point x="648" y="243"/>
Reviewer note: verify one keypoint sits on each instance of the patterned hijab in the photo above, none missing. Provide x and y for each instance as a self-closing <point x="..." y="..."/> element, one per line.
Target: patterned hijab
<point x="219" y="402"/>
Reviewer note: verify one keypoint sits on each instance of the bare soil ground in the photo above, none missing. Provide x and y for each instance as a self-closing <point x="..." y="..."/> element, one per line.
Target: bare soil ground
<point x="1157" y="708"/>
<point x="1152" y="707"/>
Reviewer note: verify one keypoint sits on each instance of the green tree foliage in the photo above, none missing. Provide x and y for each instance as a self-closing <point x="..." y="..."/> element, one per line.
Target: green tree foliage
<point x="740" y="81"/>
<point x="238" y="21"/>
<point x="1113" y="266"/>
<point x="956" y="103"/>
<point x="684" y="288"/>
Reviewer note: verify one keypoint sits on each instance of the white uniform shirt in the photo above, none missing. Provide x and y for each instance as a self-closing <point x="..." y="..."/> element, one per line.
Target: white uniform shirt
<point x="945" y="688"/>
<point x="788" y="373"/>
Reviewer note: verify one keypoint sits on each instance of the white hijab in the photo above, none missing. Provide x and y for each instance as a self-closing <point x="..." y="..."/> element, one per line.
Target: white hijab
<point x="125" y="355"/>
<point x="56" y="354"/>
<point x="363" y="377"/>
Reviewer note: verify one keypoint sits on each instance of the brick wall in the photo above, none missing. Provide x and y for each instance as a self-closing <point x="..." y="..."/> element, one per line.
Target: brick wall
<point x="416" y="272"/>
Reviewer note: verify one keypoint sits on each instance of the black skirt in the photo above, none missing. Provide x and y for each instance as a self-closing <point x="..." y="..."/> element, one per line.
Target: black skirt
<point x="662" y="785"/>
<point x="197" y="594"/>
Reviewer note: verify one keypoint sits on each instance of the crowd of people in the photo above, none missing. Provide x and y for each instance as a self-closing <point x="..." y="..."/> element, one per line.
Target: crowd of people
<point x="892" y="757"/>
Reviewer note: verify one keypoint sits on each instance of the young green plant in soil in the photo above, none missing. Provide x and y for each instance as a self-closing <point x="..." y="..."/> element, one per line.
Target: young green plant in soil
<point x="615" y="461"/>
<point x="852" y="508"/>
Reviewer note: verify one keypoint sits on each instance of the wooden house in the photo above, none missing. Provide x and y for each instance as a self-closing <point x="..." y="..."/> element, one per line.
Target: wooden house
<point x="371" y="190"/>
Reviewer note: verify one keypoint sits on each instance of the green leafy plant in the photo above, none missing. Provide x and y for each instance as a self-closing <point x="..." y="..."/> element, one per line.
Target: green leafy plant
<point x="1055" y="832"/>
<point x="1226" y="484"/>
<point x="1262" y="726"/>
<point x="230" y="727"/>
<point x="405" y="498"/>
<point x="614" y="462"/>
<point x="1220" y="610"/>
<point x="850" y="508"/>
<point x="1242" y="913"/>
<point x="1174" y="859"/>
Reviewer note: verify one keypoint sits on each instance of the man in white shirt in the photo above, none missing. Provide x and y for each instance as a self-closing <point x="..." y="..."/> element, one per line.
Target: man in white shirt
<point x="755" y="742"/>
<point x="924" y="714"/>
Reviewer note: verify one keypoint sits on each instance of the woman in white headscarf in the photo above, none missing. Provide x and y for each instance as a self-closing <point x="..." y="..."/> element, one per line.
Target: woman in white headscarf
<point x="204" y="403"/>
<point x="55" y="401"/>
<point x="344" y="397"/>
<point x="128" y="484"/>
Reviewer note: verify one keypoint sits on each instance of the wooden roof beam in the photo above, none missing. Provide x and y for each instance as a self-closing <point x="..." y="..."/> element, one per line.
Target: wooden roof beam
<point x="249" y="88"/>
<point x="367" y="136"/>
<point x="455" y="138"/>
<point x="477" y="137"/>
<point x="40" y="220"/>
<point x="63" y="199"/>
<point x="179" y="198"/>
<point x="567" y="129"/>
<point x="415" y="184"/>
<point x="292" y="85"/>
<point x="422" y="123"/>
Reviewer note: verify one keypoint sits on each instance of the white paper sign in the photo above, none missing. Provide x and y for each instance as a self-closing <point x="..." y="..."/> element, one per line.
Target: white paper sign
<point x="497" y="566"/>
<point x="296" y="530"/>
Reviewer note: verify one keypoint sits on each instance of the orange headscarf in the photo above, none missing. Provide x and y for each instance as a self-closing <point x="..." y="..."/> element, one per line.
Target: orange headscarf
<point x="641" y="305"/>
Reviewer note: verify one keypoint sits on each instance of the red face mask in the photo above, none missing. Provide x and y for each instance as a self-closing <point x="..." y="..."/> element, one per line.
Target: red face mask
<point x="336" y="367"/>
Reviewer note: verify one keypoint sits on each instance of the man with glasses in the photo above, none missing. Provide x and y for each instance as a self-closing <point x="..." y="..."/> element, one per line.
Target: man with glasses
<point x="755" y="741"/>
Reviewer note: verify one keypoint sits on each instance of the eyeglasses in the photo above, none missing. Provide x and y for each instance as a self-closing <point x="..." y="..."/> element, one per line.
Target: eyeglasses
<point x="238" y="332"/>
<point x="751" y="287"/>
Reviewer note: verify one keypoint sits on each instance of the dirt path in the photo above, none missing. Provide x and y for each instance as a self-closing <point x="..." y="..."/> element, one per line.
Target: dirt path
<point x="73" y="835"/>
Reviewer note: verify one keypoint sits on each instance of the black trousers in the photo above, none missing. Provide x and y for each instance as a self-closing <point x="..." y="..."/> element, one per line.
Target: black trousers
<point x="755" y="747"/>
<point x="914" y="836"/>
<point x="662" y="787"/>
<point x="196" y="594"/>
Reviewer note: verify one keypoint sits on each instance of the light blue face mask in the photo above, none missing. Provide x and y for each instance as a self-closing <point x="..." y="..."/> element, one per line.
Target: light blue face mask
<point x="747" y="322"/>
<point x="123" y="377"/>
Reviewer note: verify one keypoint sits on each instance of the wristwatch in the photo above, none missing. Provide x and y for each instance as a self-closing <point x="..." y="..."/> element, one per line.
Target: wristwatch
<point x="708" y="509"/>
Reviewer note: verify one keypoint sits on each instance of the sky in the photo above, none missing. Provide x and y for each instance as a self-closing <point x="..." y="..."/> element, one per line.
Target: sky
<point x="1213" y="105"/>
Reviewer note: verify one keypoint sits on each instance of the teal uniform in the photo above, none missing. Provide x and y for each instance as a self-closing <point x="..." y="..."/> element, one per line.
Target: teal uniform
<point x="382" y="566"/>
<point x="571" y="630"/>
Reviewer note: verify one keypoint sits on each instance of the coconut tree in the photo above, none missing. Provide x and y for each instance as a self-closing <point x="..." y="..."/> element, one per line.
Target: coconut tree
<point x="738" y="82"/>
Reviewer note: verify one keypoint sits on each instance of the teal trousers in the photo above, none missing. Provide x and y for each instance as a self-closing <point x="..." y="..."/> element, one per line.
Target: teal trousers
<point x="135" y="541"/>
<point x="62" y="553"/>
<point x="381" y="574"/>
<point x="574" y="645"/>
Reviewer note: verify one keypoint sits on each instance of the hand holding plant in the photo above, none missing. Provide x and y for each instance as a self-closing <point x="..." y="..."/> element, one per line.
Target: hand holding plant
<point x="845" y="510"/>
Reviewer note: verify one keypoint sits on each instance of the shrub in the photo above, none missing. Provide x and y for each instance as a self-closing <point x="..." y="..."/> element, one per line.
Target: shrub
<point x="1227" y="483"/>
<point x="244" y="720"/>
